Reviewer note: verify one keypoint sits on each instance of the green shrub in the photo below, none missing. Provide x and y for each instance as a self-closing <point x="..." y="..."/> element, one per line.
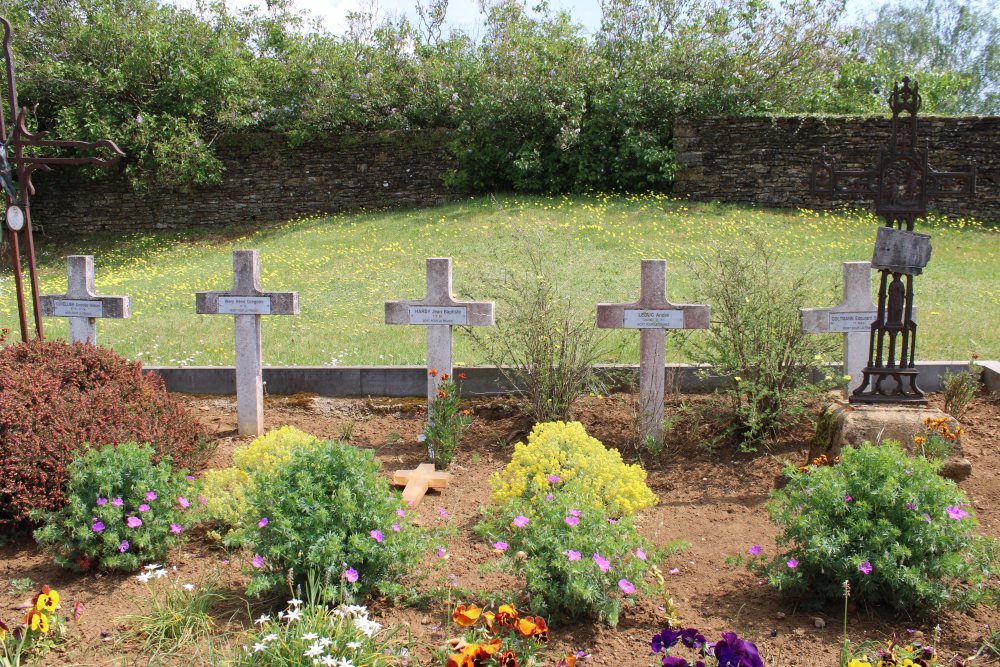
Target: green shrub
<point x="756" y="340"/>
<point x="886" y="523"/>
<point x="326" y="510"/>
<point x="225" y="489"/>
<point x="446" y="423"/>
<point x="121" y="511"/>
<point x="576" y="561"/>
<point x="959" y="389"/>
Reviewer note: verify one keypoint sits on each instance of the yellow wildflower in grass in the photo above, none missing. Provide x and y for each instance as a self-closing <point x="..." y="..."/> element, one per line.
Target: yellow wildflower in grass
<point x="558" y="453"/>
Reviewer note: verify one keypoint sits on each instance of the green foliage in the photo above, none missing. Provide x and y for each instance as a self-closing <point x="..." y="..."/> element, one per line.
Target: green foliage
<point x="756" y="340"/>
<point x="326" y="510"/>
<point x="109" y="488"/>
<point x="877" y="508"/>
<point x="564" y="544"/>
<point x="446" y="423"/>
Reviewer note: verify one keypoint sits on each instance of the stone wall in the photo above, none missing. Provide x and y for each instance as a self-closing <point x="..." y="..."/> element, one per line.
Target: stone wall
<point x="265" y="181"/>
<point x="767" y="161"/>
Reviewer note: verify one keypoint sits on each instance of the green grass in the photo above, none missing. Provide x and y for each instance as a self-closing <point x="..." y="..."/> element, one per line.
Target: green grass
<point x="344" y="267"/>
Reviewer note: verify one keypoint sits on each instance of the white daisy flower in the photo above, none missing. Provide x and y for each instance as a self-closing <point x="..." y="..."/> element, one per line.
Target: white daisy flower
<point x="144" y="577"/>
<point x="189" y="587"/>
<point x="293" y="615"/>
<point x="258" y="647"/>
<point x="161" y="573"/>
<point x="269" y="638"/>
<point x="310" y="636"/>
<point x="295" y="602"/>
<point x="344" y="662"/>
<point x="354" y="646"/>
<point x="325" y="641"/>
<point x="264" y="618"/>
<point x="152" y="566"/>
<point x="328" y="661"/>
<point x="314" y="651"/>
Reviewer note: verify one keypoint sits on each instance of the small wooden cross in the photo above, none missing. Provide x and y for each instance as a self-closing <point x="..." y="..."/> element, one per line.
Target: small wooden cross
<point x="439" y="312"/>
<point x="247" y="301"/>
<point x="82" y="304"/>
<point x="417" y="481"/>
<point x="652" y="314"/>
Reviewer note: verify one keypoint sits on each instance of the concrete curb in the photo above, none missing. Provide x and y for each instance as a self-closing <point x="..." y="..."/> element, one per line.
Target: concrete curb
<point x="399" y="381"/>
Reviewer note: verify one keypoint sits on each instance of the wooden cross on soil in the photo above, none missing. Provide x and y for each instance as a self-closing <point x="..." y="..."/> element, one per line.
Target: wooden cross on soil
<point x="81" y="303"/>
<point x="16" y="169"/>
<point x="418" y="481"/>
<point x="439" y="312"/>
<point x="247" y="301"/>
<point x="652" y="313"/>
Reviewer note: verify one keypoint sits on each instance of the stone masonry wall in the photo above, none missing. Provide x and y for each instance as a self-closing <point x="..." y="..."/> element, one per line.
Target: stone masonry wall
<point x="265" y="181"/>
<point x="767" y="161"/>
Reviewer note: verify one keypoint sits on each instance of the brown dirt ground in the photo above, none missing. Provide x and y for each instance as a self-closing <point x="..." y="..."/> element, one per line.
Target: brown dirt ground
<point x="715" y="501"/>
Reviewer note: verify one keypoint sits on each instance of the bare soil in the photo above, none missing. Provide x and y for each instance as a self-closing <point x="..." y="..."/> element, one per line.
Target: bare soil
<point x="714" y="500"/>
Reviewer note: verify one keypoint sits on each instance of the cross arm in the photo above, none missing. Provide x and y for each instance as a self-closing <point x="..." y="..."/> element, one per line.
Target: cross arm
<point x="274" y="303"/>
<point x="113" y="307"/>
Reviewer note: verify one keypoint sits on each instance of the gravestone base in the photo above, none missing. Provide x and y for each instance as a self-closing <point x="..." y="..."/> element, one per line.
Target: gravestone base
<point x="851" y="424"/>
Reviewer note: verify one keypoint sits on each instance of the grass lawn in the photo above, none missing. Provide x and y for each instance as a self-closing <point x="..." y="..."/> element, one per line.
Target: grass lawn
<point x="344" y="267"/>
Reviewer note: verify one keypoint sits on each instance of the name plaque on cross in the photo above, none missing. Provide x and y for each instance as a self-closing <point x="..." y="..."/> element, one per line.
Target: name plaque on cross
<point x="81" y="303"/>
<point x="247" y="302"/>
<point x="852" y="322"/>
<point x="652" y="314"/>
<point x="439" y="311"/>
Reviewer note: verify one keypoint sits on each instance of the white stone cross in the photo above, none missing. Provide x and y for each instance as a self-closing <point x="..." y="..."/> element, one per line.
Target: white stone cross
<point x="652" y="313"/>
<point x="439" y="312"/>
<point x="853" y="317"/>
<point x="247" y="301"/>
<point x="81" y="303"/>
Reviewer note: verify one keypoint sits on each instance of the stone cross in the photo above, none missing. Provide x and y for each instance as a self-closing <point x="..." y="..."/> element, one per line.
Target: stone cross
<point x="81" y="303"/>
<point x="652" y="313"/>
<point x="247" y="302"/>
<point x="853" y="318"/>
<point x="439" y="312"/>
<point x="418" y="480"/>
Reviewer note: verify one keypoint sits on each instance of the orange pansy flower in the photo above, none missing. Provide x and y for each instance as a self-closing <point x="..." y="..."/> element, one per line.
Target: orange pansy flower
<point x="568" y="661"/>
<point x="507" y="614"/>
<point x="461" y="660"/>
<point x="488" y="649"/>
<point x="526" y="626"/>
<point x="541" y="629"/>
<point x="466" y="615"/>
<point x="507" y="659"/>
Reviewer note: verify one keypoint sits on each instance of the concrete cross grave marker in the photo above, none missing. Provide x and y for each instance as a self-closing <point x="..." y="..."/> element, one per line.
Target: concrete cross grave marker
<point x="652" y="314"/>
<point x="439" y="312"/>
<point x="81" y="303"/>
<point x="416" y="482"/>
<point x="247" y="302"/>
<point x="853" y="318"/>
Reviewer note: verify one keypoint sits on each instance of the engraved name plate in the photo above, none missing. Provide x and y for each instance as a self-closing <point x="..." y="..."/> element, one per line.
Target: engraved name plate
<point x="852" y="322"/>
<point x="456" y="315"/>
<point x="77" y="308"/>
<point x="654" y="319"/>
<point x="244" y="305"/>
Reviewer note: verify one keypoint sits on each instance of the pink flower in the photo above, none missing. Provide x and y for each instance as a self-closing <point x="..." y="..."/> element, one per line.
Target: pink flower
<point x="400" y="513"/>
<point x="441" y="552"/>
<point x="123" y="547"/>
<point x="956" y="512"/>
<point x="640" y="554"/>
<point x="675" y="570"/>
<point x="792" y="563"/>
<point x="202" y="500"/>
<point x="612" y="521"/>
<point x="848" y="499"/>
<point x="554" y="479"/>
<point x="500" y="545"/>
<point x="133" y="522"/>
<point x="442" y="512"/>
<point x="377" y="535"/>
<point x="573" y="555"/>
<point x="602" y="562"/>
<point x="183" y="502"/>
<point x="176" y="528"/>
<point x="549" y="497"/>
<point x="627" y="586"/>
<point x="102" y="501"/>
<point x="396" y="528"/>
<point x="150" y="496"/>
<point x="257" y="561"/>
<point x="117" y="502"/>
<point x="144" y="507"/>
<point x="189" y="478"/>
<point x="97" y="527"/>
<point x="575" y="512"/>
<point x="263" y="522"/>
<point x="351" y="575"/>
<point x="754" y="550"/>
<point x="572" y="521"/>
<point x="520" y="521"/>
<point x="865" y="568"/>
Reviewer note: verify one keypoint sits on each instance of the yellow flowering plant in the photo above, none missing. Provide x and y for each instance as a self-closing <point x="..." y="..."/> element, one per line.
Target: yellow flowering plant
<point x="557" y="453"/>
<point x="41" y="627"/>
<point x="894" y="654"/>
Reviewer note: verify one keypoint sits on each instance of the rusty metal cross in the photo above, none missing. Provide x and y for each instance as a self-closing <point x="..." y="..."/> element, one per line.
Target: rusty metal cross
<point x="16" y="169"/>
<point x="900" y="183"/>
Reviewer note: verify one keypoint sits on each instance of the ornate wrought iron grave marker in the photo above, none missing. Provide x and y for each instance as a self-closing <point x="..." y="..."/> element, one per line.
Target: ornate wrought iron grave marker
<point x="901" y="183"/>
<point x="16" y="169"/>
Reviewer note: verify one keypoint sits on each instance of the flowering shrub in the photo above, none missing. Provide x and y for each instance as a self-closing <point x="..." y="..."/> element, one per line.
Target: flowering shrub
<point x="898" y="655"/>
<point x="36" y="635"/>
<point x="327" y="510"/>
<point x="309" y="634"/>
<point x="121" y="511"/>
<point x="729" y="651"/>
<point x="559" y="452"/>
<point x="224" y="490"/>
<point x="446" y="424"/>
<point x="502" y="638"/>
<point x="55" y="397"/>
<point x="938" y="439"/>
<point x="882" y="521"/>
<point x="576" y="561"/>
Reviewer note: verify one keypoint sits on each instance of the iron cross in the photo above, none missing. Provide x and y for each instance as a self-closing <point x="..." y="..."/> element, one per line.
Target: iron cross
<point x="900" y="183"/>
<point x="16" y="169"/>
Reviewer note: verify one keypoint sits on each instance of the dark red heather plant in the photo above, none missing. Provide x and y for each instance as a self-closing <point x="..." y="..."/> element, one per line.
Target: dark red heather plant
<point x="56" y="397"/>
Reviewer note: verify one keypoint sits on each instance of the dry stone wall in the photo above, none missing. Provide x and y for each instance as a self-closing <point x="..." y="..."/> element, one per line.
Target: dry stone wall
<point x="265" y="181"/>
<point x="766" y="161"/>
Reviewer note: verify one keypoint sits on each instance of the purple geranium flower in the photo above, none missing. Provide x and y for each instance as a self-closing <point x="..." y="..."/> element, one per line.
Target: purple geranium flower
<point x="640" y="554"/>
<point x="602" y="562"/>
<point x="97" y="527"/>
<point x="263" y="522"/>
<point x="117" y="502"/>
<point x="520" y="521"/>
<point x="176" y="528"/>
<point x="377" y="535"/>
<point x="792" y="563"/>
<point x="865" y="567"/>
<point x="183" y="502"/>
<point x="500" y="545"/>
<point x="351" y="575"/>
<point x="123" y="547"/>
<point x="575" y="512"/>
<point x="133" y="522"/>
<point x="396" y="528"/>
<point x="257" y="561"/>
<point x="102" y="501"/>
<point x="144" y="507"/>
<point x="150" y="496"/>
<point x="627" y="586"/>
<point x="573" y="555"/>
<point x="754" y="550"/>
<point x="956" y="512"/>
<point x="554" y="479"/>
<point x="572" y="521"/>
